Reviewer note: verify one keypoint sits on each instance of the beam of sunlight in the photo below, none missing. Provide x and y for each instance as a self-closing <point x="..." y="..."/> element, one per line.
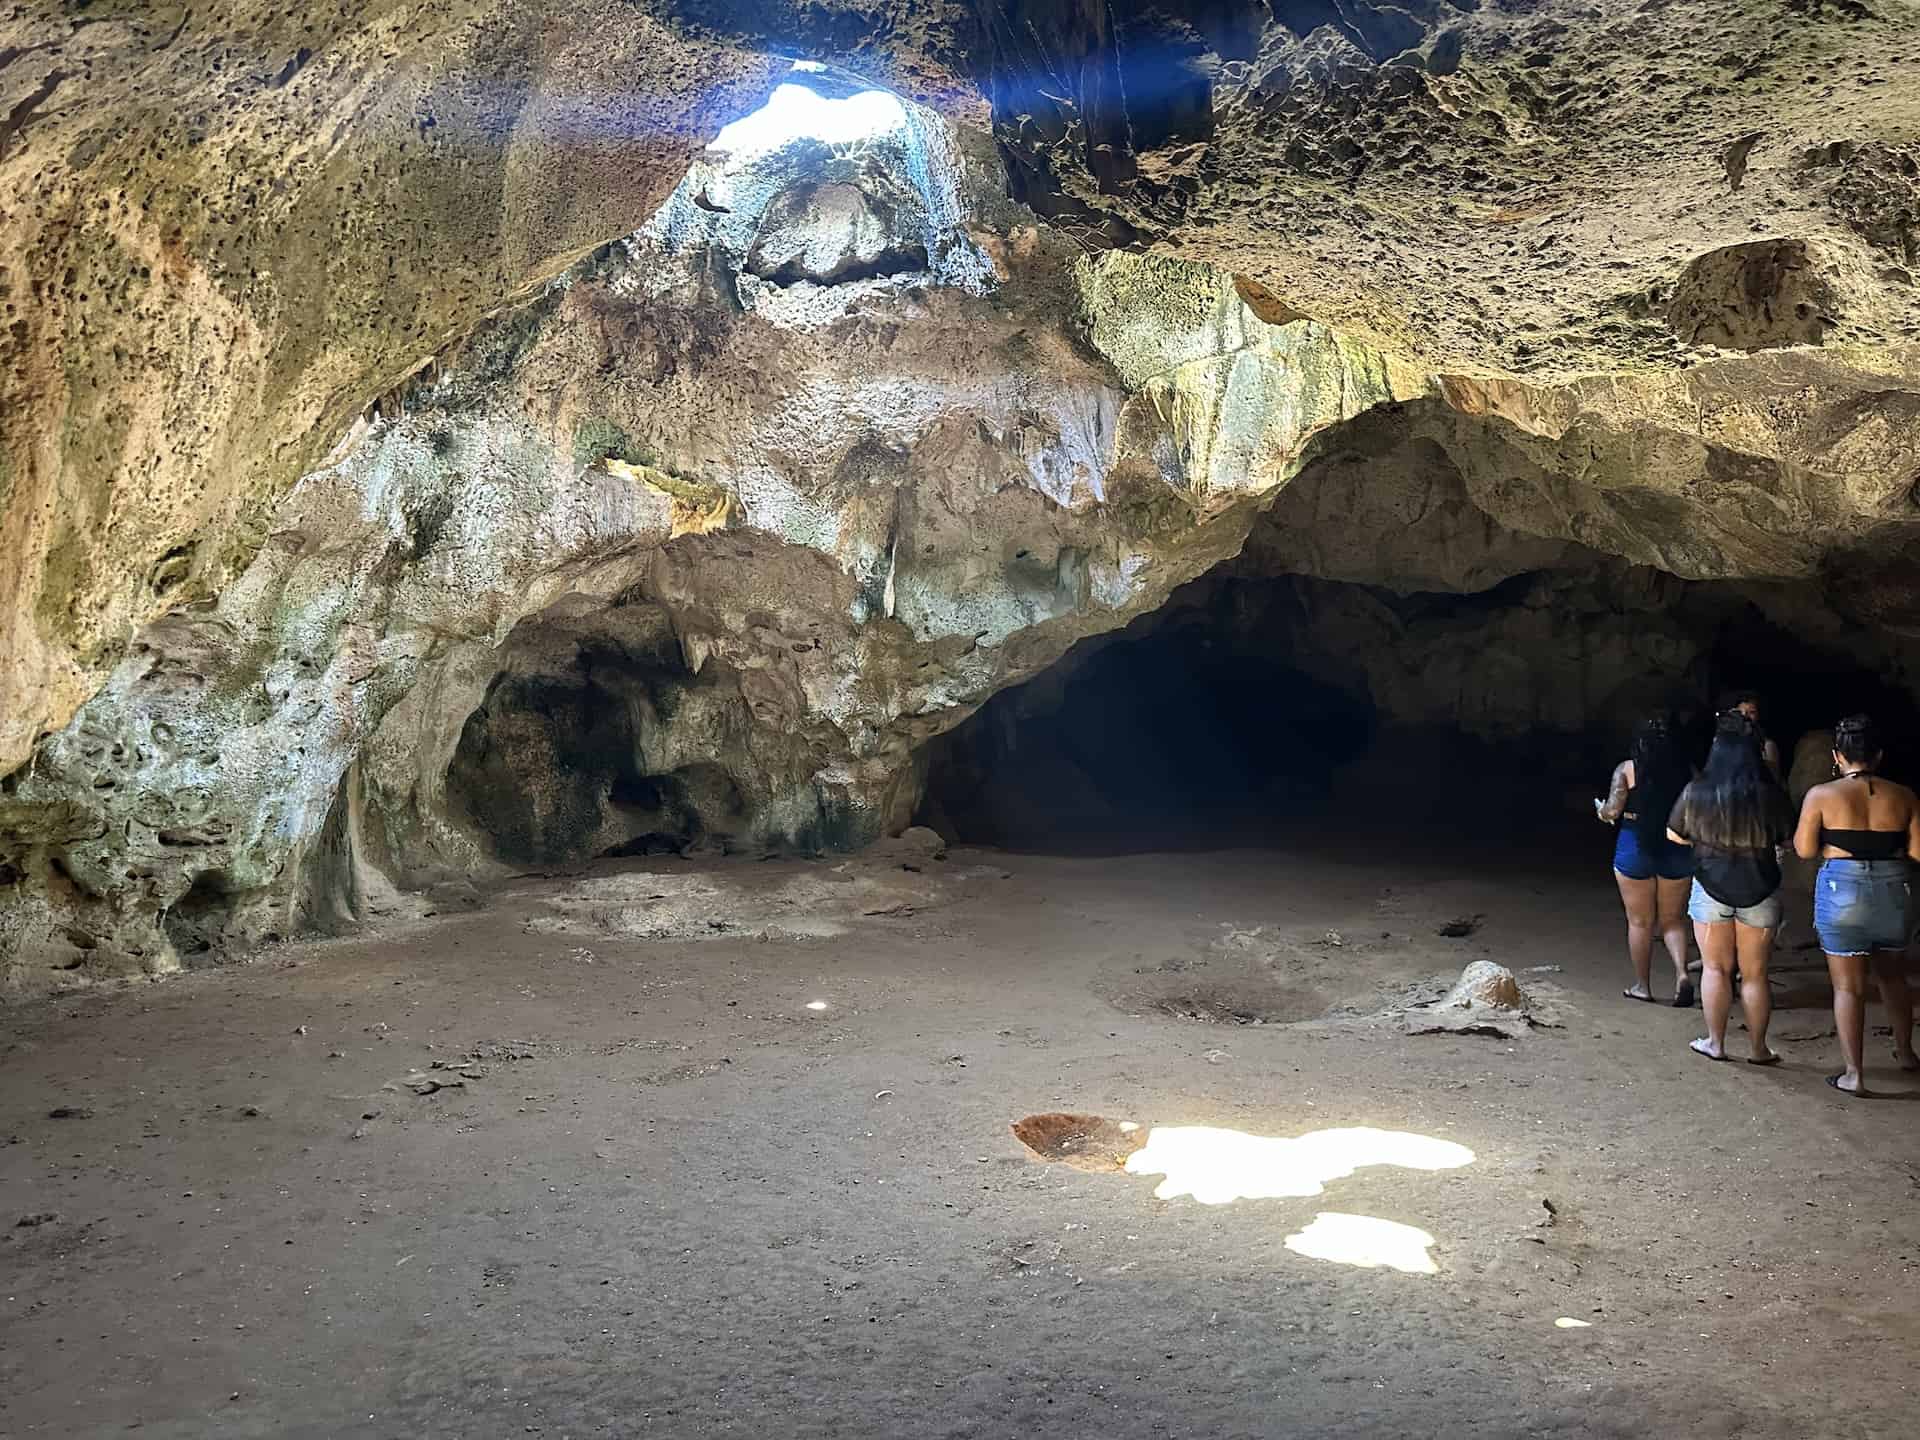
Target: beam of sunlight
<point x="794" y="111"/>
<point x="1217" y="1167"/>
<point x="1365" y="1241"/>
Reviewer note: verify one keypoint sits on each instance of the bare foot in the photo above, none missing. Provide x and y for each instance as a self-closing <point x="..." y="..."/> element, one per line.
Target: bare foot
<point x="1848" y="1082"/>
<point x="1637" y="992"/>
<point x="1705" y="1046"/>
<point x="1763" y="1057"/>
<point x="1906" y="1059"/>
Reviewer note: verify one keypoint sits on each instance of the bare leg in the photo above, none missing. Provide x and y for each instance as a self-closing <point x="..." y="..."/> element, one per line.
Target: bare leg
<point x="1674" y="924"/>
<point x="1716" y="984"/>
<point x="1755" y="948"/>
<point x="1637" y="897"/>
<point x="1849" y="975"/>
<point x="1889" y="968"/>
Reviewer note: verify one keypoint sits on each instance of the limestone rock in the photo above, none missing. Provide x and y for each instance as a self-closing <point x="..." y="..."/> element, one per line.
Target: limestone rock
<point x="1483" y="985"/>
<point x="673" y="555"/>
<point x="423" y="456"/>
<point x="919" y="842"/>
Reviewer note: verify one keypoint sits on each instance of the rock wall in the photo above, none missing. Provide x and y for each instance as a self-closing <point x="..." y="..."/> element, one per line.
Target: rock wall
<point x="226" y="228"/>
<point x="695" y="548"/>
<point x="396" y="392"/>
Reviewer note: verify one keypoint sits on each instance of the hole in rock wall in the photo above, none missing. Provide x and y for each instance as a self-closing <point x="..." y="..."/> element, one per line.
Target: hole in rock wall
<point x="596" y="739"/>
<point x="1286" y="710"/>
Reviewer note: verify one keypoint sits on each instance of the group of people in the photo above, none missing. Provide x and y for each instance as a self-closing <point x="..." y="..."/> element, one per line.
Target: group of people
<point x="1708" y="845"/>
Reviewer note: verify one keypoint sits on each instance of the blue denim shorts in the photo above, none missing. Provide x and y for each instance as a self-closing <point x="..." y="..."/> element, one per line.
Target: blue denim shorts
<point x="1860" y="906"/>
<point x="1639" y="859"/>
<point x="1704" y="909"/>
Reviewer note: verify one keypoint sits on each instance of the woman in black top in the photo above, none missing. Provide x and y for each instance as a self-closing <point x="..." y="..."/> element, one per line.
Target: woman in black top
<point x="1653" y="873"/>
<point x="1866" y="830"/>
<point x="1735" y="816"/>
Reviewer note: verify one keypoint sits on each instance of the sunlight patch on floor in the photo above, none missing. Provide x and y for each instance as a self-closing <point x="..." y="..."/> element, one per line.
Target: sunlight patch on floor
<point x="1217" y="1166"/>
<point x="1365" y="1241"/>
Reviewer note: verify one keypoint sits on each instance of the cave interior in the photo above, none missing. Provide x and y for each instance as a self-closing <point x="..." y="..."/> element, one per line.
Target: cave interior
<point x="794" y="673"/>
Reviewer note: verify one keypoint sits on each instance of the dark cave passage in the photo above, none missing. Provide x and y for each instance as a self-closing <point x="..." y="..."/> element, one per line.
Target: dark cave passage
<point x="1807" y="686"/>
<point x="1219" y="723"/>
<point x="1282" y="710"/>
<point x="1174" y="739"/>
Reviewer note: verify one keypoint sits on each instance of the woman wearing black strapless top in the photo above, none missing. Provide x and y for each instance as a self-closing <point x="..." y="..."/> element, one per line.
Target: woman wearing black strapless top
<point x="1866" y="829"/>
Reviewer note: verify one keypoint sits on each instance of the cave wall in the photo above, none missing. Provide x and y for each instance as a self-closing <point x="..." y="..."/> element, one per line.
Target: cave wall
<point x="849" y="501"/>
<point x="227" y="228"/>
<point x="354" y="364"/>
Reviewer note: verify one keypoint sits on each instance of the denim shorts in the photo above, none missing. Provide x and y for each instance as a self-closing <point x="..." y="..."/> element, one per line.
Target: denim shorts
<point x="1639" y="859"/>
<point x="1860" y="906"/>
<point x="1706" y="910"/>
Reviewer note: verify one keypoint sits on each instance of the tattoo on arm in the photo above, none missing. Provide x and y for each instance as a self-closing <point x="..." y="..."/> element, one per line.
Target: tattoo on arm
<point x="1616" y="805"/>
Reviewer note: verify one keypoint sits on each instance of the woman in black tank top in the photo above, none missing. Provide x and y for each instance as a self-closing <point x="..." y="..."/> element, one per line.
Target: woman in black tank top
<point x="1865" y="829"/>
<point x="1735" y="816"/>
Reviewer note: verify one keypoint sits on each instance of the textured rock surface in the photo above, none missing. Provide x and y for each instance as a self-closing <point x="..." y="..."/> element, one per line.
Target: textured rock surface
<point x="1474" y="183"/>
<point x="226" y="228"/>
<point x="1485" y="985"/>
<point x="698" y="542"/>
<point x="677" y="554"/>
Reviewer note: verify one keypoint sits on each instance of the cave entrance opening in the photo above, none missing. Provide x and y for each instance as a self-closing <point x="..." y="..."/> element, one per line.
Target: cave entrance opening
<point x="812" y="103"/>
<point x="1237" y="718"/>
<point x="1284" y="711"/>
<point x="1166" y="736"/>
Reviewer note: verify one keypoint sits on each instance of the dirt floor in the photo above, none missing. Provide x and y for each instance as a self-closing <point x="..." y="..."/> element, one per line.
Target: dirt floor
<point x="648" y="1191"/>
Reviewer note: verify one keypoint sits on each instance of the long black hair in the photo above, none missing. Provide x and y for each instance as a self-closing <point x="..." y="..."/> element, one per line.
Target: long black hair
<point x="1735" y="804"/>
<point x="1660" y="772"/>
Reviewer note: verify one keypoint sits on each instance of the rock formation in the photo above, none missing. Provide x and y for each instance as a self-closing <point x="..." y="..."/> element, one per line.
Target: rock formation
<point x="423" y="455"/>
<point x="694" y="548"/>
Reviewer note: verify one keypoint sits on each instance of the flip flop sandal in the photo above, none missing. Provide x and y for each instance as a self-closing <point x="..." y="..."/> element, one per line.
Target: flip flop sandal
<point x="1683" y="997"/>
<point x="1643" y="999"/>
<point x="1773" y="1059"/>
<point x="1695" y="1047"/>
<point x="1833" y="1083"/>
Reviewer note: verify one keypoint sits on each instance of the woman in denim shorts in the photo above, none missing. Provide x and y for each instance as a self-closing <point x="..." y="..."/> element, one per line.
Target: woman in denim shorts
<point x="1652" y="872"/>
<point x="1735" y="816"/>
<point x="1865" y="829"/>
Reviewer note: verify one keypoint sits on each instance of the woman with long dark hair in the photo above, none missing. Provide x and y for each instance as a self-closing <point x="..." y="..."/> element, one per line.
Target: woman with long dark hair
<point x="1653" y="873"/>
<point x="1735" y="817"/>
<point x="1865" y="829"/>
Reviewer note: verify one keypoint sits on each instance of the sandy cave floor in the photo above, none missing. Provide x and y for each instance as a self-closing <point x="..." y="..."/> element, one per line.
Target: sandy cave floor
<point x="668" y="1199"/>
